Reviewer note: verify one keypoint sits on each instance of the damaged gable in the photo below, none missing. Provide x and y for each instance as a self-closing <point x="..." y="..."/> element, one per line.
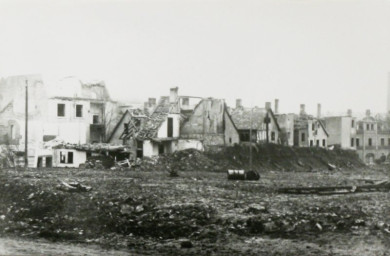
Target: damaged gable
<point x="246" y="118"/>
<point x="210" y="123"/>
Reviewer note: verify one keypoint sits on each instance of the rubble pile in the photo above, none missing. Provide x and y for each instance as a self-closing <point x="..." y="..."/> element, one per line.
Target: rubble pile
<point x="185" y="160"/>
<point x="278" y="157"/>
<point x="264" y="157"/>
<point x="99" y="162"/>
<point x="304" y="221"/>
<point x="142" y="217"/>
<point x="11" y="156"/>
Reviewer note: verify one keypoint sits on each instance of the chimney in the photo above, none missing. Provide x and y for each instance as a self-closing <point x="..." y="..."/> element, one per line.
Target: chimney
<point x="146" y="106"/>
<point x="302" y="111"/>
<point x="276" y="106"/>
<point x="268" y="105"/>
<point x="173" y="95"/>
<point x="318" y="110"/>
<point x="238" y="103"/>
<point x="152" y="102"/>
<point x="368" y="112"/>
<point x="388" y="93"/>
<point x="349" y="112"/>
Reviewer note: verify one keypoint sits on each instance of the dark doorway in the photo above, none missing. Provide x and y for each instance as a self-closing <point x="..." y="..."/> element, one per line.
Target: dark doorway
<point x="70" y="157"/>
<point x="170" y="127"/>
<point x="140" y="150"/>
<point x="39" y="165"/>
<point x="49" y="161"/>
<point x="160" y="149"/>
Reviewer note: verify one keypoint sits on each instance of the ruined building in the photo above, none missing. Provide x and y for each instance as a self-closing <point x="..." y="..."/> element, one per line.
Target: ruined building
<point x="70" y="110"/>
<point x="342" y="130"/>
<point x="176" y="123"/>
<point x="309" y="131"/>
<point x="255" y="121"/>
<point x="372" y="138"/>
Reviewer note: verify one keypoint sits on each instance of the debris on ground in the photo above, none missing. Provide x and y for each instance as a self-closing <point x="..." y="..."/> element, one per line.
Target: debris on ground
<point x="382" y="186"/>
<point x="73" y="187"/>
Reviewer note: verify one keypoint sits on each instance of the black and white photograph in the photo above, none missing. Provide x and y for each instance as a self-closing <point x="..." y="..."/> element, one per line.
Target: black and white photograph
<point x="195" y="127"/>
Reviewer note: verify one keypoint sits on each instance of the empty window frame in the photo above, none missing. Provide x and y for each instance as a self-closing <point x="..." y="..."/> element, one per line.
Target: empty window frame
<point x="70" y="157"/>
<point x="323" y="142"/>
<point x="369" y="142"/>
<point x="382" y="141"/>
<point x="357" y="142"/>
<point x="303" y="137"/>
<point x="60" y="109"/>
<point x="62" y="157"/>
<point x="352" y="142"/>
<point x="66" y="157"/>
<point x="170" y="127"/>
<point x="79" y="110"/>
<point x="12" y="132"/>
<point x="95" y="119"/>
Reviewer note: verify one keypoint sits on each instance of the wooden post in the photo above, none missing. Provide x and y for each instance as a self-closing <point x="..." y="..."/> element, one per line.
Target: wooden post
<point x="267" y="120"/>
<point x="26" y="131"/>
<point x="250" y="142"/>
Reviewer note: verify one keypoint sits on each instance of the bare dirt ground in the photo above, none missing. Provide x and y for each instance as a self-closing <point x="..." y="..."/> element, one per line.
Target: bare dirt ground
<point x="18" y="246"/>
<point x="149" y="213"/>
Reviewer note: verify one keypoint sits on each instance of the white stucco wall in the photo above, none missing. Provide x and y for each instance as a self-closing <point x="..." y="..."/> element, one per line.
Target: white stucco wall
<point x="163" y="130"/>
<point x="319" y="135"/>
<point x="79" y="157"/>
<point x="149" y="148"/>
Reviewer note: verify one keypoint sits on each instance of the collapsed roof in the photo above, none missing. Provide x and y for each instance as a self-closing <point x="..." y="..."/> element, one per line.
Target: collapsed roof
<point x="251" y="118"/>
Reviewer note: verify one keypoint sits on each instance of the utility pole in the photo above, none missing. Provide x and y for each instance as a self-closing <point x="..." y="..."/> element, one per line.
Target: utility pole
<point x="250" y="141"/>
<point x="26" y="131"/>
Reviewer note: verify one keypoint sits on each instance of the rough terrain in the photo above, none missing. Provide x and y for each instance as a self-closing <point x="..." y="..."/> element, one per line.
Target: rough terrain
<point x="199" y="212"/>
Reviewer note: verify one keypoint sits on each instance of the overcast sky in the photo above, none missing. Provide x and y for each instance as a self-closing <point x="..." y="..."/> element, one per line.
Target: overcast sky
<point x="301" y="51"/>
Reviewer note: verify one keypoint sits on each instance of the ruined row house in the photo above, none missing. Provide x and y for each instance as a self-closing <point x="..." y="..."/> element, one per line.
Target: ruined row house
<point x="176" y="123"/>
<point x="261" y="123"/>
<point x="309" y="131"/>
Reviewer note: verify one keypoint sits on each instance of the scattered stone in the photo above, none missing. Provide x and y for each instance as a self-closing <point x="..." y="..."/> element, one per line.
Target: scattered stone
<point x="270" y="227"/>
<point x="256" y="209"/>
<point x="185" y="243"/>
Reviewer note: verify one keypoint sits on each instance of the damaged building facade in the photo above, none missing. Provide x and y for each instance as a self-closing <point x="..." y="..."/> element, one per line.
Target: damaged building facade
<point x="372" y="139"/>
<point x="342" y="130"/>
<point x="309" y="131"/>
<point x="211" y="124"/>
<point x="176" y="123"/>
<point x="69" y="110"/>
<point x="261" y="123"/>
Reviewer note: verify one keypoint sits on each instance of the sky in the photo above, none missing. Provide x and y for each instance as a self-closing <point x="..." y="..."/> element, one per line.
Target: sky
<point x="333" y="52"/>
